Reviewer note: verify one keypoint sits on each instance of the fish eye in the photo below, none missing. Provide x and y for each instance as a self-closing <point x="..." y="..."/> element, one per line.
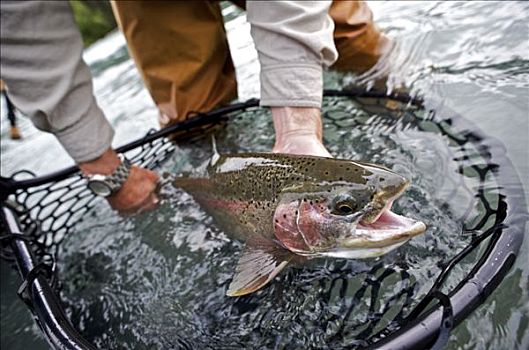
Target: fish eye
<point x="344" y="209"/>
<point x="344" y="205"/>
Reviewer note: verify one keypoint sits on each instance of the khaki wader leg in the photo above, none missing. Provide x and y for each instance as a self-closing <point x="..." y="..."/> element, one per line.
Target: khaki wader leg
<point x="181" y="51"/>
<point x="359" y="43"/>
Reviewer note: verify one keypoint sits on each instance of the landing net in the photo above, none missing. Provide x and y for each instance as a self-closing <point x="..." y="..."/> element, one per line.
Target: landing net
<point x="49" y="207"/>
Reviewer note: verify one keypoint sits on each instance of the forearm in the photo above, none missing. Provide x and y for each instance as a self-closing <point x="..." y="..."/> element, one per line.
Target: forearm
<point x="42" y="66"/>
<point x="290" y="121"/>
<point x="105" y="164"/>
<point x="294" y="41"/>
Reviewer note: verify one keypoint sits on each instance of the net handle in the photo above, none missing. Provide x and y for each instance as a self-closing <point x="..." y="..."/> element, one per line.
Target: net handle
<point x="38" y="292"/>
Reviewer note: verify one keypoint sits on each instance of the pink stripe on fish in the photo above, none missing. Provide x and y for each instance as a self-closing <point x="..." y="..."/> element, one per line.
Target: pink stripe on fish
<point x="229" y="205"/>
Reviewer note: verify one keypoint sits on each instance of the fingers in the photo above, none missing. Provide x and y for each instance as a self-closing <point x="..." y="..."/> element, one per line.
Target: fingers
<point x="148" y="204"/>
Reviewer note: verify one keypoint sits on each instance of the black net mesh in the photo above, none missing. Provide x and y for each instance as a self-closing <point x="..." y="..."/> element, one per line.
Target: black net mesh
<point x="49" y="212"/>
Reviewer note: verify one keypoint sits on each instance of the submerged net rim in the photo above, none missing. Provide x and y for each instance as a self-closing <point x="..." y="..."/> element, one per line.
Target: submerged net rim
<point x="431" y="328"/>
<point x="427" y="326"/>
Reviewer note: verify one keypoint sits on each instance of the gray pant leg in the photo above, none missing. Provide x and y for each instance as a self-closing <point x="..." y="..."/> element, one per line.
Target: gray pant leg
<point x="41" y="63"/>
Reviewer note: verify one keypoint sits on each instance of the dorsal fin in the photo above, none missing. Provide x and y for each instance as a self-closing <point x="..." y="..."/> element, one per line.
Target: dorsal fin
<point x="215" y="157"/>
<point x="260" y="262"/>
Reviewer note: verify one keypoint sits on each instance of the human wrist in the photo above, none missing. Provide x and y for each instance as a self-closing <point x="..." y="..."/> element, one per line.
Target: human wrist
<point x="298" y="131"/>
<point x="296" y="121"/>
<point x="105" y="164"/>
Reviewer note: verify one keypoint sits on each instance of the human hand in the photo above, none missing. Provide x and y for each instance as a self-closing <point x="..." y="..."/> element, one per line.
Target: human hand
<point x="137" y="193"/>
<point x="298" y="131"/>
<point x="167" y="114"/>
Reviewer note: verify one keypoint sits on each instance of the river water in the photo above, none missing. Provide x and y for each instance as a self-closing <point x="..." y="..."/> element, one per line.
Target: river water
<point x="158" y="280"/>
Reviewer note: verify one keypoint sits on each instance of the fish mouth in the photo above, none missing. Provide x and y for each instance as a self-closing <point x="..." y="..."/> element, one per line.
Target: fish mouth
<point x="390" y="228"/>
<point x="380" y="230"/>
<point x="383" y="229"/>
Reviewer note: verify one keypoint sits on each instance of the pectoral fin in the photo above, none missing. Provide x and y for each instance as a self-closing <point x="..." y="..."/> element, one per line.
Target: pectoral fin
<point x="260" y="262"/>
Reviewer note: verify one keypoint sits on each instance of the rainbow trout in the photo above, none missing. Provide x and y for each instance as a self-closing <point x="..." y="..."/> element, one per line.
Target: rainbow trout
<point x="288" y="206"/>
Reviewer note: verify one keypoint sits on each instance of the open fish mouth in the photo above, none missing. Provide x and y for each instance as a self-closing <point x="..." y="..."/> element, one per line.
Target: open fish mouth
<point x="383" y="229"/>
<point x="390" y="227"/>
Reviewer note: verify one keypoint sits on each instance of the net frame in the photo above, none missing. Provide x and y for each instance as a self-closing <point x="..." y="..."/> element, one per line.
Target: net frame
<point x="34" y="250"/>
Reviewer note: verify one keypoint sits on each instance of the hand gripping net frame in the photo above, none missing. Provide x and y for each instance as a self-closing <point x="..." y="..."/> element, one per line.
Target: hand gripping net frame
<point x="38" y="212"/>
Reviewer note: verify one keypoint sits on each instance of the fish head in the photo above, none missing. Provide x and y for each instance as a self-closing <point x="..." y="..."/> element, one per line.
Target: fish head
<point x="345" y="213"/>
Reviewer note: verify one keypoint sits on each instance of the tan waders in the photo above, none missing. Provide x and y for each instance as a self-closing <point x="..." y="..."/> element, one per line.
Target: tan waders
<point x="182" y="53"/>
